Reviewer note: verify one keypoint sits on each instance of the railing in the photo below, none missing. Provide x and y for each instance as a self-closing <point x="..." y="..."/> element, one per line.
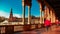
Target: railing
<point x="9" y="29"/>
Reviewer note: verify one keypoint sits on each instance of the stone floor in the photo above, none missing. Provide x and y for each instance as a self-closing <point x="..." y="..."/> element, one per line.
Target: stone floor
<point x="52" y="30"/>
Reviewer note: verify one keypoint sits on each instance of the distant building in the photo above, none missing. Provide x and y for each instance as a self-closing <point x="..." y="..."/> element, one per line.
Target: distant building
<point x="15" y="19"/>
<point x="35" y="20"/>
<point x="2" y="19"/>
<point x="11" y="16"/>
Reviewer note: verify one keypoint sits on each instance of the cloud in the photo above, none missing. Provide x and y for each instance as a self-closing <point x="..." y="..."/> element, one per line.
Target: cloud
<point x="6" y="15"/>
<point x="17" y="15"/>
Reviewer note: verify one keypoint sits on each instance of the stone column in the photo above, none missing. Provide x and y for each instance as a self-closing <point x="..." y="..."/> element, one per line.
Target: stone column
<point x="48" y="17"/>
<point x="43" y="17"/>
<point x="40" y="13"/>
<point x="45" y="13"/>
<point x="51" y="15"/>
<point x="29" y="16"/>
<point x="23" y="12"/>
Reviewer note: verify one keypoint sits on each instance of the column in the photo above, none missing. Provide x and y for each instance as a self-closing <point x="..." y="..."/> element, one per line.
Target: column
<point x="29" y="21"/>
<point x="48" y="17"/>
<point x="51" y="15"/>
<point x="45" y="13"/>
<point x="43" y="17"/>
<point x="40" y="13"/>
<point x="23" y="12"/>
<point x="54" y="17"/>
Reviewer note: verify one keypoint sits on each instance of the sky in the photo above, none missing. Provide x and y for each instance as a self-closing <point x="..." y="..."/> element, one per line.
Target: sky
<point x="16" y="5"/>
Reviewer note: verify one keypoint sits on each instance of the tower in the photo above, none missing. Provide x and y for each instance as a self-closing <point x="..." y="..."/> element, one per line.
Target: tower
<point x="11" y="16"/>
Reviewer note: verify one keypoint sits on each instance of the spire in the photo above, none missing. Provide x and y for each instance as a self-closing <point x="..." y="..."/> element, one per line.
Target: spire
<point x="11" y="16"/>
<point x="11" y="11"/>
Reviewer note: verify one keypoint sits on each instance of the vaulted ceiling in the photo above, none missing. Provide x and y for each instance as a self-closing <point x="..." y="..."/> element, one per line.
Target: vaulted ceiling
<point x="55" y="4"/>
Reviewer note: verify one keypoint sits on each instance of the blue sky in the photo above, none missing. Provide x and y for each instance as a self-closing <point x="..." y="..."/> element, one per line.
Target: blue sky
<point x="16" y="5"/>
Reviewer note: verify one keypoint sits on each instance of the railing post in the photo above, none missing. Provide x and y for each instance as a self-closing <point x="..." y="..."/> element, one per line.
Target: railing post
<point x="9" y="29"/>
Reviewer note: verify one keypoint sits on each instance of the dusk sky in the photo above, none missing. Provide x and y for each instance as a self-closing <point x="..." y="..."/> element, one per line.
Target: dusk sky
<point x="16" y="5"/>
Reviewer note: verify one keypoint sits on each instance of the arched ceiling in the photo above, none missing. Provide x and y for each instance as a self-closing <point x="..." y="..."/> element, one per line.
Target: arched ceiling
<point x="55" y="4"/>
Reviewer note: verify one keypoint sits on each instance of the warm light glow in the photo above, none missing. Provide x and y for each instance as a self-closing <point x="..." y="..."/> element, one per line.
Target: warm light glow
<point x="53" y="18"/>
<point x="51" y="15"/>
